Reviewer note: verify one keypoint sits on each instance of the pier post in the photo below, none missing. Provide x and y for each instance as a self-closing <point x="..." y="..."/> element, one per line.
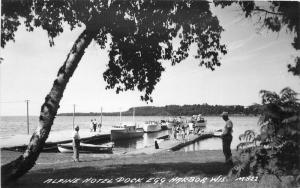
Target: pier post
<point x="27" y="115"/>
<point x="73" y="116"/>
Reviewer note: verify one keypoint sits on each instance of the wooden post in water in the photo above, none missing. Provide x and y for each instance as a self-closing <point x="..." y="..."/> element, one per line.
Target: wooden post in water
<point x="73" y="116"/>
<point x="27" y="114"/>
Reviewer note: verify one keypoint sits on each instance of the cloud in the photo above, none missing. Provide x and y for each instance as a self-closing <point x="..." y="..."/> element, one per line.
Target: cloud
<point x="240" y="43"/>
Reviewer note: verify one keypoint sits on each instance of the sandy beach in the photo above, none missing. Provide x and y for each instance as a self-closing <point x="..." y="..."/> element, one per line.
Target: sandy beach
<point x="165" y="169"/>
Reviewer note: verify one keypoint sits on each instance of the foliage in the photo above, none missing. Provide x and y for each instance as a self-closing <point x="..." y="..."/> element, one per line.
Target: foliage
<point x="276" y="149"/>
<point x="274" y="15"/>
<point x="176" y="110"/>
<point x="142" y="33"/>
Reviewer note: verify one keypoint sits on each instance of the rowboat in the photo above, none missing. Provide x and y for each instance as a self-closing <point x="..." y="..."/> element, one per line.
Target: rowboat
<point x="86" y="148"/>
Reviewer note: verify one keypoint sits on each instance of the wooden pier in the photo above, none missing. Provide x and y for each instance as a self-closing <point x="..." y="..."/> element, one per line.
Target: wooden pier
<point x="171" y="144"/>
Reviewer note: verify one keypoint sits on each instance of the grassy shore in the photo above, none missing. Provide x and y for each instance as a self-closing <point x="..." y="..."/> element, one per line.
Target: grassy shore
<point x="153" y="170"/>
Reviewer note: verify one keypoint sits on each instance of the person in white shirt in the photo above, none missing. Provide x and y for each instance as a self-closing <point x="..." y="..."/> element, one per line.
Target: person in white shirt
<point x="92" y="125"/>
<point x="227" y="138"/>
<point x="76" y="144"/>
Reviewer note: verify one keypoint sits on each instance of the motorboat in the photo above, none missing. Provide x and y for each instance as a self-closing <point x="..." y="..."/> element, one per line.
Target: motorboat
<point x="86" y="148"/>
<point x="200" y="124"/>
<point x="125" y="131"/>
<point x="199" y="121"/>
<point x="165" y="125"/>
<point x="151" y="126"/>
<point x="170" y="123"/>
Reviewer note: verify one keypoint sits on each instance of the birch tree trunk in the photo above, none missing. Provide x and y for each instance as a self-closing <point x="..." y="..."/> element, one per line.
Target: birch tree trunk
<point x="13" y="170"/>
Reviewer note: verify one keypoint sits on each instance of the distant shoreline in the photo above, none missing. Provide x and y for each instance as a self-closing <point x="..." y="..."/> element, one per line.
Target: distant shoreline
<point x="166" y="116"/>
<point x="211" y="115"/>
<point x="176" y="110"/>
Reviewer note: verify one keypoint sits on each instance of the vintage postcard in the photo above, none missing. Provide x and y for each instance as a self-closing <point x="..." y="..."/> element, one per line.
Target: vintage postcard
<point x="138" y="93"/>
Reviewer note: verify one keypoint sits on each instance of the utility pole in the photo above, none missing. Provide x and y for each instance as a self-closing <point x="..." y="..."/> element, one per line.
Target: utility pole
<point x="101" y="117"/>
<point x="133" y="115"/>
<point x="73" y="115"/>
<point x="27" y="114"/>
<point x="120" y="115"/>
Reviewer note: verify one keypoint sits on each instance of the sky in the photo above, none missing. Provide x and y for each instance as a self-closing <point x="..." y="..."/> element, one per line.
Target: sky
<point x="257" y="59"/>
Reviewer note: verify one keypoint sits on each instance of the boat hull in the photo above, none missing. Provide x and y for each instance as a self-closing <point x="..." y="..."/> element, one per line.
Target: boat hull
<point x="85" y="148"/>
<point x="150" y="128"/>
<point x="121" y="134"/>
<point x="201" y="125"/>
<point x="167" y="125"/>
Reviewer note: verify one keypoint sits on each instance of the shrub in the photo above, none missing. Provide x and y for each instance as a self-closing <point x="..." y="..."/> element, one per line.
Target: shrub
<point x="275" y="150"/>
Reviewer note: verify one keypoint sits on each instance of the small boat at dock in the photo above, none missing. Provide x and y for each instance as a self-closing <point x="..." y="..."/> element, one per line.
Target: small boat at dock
<point x="165" y="125"/>
<point x="124" y="131"/>
<point x="198" y="122"/>
<point x="151" y="126"/>
<point x="86" y="148"/>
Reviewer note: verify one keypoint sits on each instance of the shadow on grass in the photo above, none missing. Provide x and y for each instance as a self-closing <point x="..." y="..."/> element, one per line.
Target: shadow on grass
<point x="146" y="171"/>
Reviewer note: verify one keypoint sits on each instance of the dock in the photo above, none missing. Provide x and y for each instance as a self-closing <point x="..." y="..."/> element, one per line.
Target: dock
<point x="172" y="144"/>
<point x="20" y="142"/>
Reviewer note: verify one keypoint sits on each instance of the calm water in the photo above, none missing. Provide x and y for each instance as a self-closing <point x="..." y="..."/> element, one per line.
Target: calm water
<point x="17" y="125"/>
<point x="240" y="125"/>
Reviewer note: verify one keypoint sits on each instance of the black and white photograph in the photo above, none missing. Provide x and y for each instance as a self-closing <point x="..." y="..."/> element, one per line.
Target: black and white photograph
<point x="150" y="93"/>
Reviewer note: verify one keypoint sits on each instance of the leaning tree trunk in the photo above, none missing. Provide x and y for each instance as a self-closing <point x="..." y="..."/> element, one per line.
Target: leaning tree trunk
<point x="25" y="162"/>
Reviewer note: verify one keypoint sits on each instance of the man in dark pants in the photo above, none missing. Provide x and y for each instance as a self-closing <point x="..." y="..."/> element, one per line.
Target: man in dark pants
<point x="76" y="144"/>
<point x="227" y="138"/>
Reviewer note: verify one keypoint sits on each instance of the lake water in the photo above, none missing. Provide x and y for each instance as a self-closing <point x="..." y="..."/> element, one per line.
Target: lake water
<point x="13" y="125"/>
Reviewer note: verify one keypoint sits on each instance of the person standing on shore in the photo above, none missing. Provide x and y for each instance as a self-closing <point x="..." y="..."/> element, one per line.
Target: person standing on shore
<point x="227" y="138"/>
<point x="76" y="144"/>
<point x="95" y="125"/>
<point x="92" y="125"/>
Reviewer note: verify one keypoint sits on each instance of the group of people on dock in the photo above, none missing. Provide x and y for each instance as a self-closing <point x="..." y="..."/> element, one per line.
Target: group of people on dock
<point x="95" y="125"/>
<point x="181" y="131"/>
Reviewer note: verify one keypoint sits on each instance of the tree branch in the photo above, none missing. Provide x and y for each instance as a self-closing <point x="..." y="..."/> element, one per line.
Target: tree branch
<point x="266" y="11"/>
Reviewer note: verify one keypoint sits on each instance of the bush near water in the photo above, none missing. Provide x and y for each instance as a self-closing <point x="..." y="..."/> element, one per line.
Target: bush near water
<point x="275" y="152"/>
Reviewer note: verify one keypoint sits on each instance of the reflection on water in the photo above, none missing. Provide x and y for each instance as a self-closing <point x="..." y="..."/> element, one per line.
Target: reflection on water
<point x="208" y="144"/>
<point x="137" y="143"/>
<point x="240" y="125"/>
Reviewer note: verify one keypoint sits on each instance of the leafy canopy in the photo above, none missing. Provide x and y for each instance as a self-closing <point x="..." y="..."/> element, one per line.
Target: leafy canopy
<point x="274" y="15"/>
<point x="141" y="33"/>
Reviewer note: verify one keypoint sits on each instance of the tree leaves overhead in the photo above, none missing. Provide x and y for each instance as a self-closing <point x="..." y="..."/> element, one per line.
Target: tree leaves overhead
<point x="142" y="34"/>
<point x="145" y="38"/>
<point x="274" y="16"/>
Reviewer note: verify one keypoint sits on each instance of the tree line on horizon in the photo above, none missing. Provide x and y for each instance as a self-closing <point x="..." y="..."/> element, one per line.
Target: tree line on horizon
<point x="177" y="110"/>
